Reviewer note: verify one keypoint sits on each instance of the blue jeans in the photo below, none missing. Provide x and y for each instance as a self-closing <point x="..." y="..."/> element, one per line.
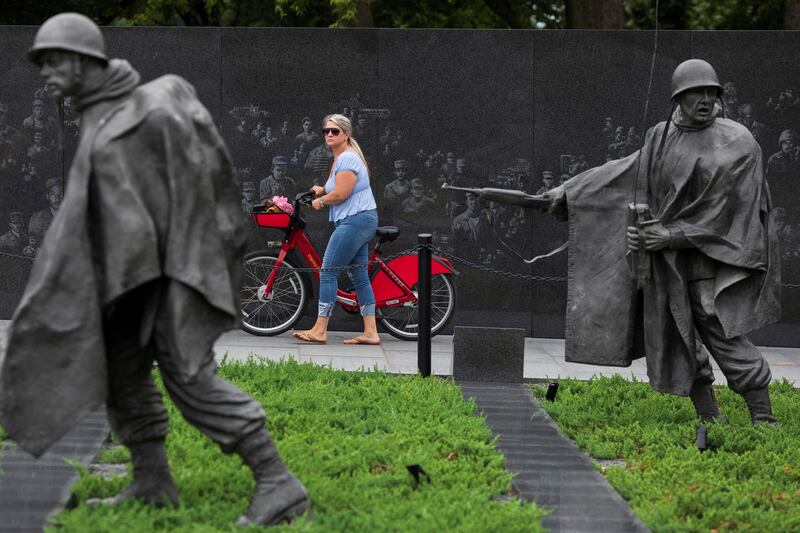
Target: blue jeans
<point x="349" y="245"/>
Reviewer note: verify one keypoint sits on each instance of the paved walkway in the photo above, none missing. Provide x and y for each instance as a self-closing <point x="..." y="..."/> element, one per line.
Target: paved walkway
<point x="550" y="470"/>
<point x="544" y="358"/>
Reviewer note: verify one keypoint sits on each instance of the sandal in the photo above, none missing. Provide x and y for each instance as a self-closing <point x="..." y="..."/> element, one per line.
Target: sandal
<point x="305" y="336"/>
<point x="361" y="339"/>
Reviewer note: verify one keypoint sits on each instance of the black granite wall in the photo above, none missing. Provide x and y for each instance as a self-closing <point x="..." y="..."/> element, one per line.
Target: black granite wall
<point x="513" y="109"/>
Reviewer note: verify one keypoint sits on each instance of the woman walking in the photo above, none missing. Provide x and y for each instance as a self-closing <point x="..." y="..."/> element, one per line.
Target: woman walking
<point x="348" y="196"/>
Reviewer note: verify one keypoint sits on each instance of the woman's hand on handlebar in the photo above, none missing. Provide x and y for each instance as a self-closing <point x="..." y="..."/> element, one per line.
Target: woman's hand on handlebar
<point x="317" y="190"/>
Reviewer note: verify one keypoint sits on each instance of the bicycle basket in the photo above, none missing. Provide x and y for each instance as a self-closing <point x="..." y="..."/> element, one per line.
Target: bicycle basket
<point x="270" y="220"/>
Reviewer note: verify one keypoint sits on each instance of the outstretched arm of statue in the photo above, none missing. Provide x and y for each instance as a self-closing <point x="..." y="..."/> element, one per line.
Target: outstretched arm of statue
<point x="541" y="202"/>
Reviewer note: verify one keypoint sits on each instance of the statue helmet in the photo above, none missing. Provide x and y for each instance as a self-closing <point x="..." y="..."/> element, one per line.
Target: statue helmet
<point x="694" y="73"/>
<point x="72" y="32"/>
<point x="786" y="135"/>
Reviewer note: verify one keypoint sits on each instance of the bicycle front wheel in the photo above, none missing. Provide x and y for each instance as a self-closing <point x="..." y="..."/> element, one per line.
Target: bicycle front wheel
<point x="275" y="312"/>
<point x="403" y="321"/>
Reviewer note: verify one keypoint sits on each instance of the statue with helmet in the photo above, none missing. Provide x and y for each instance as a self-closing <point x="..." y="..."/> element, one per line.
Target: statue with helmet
<point x="139" y="265"/>
<point x="674" y="252"/>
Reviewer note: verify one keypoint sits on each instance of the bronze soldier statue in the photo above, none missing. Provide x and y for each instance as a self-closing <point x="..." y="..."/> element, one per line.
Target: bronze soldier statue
<point x="140" y="264"/>
<point x="711" y="250"/>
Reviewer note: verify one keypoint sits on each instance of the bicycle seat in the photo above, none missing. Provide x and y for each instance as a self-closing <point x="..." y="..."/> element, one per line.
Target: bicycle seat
<point x="387" y="233"/>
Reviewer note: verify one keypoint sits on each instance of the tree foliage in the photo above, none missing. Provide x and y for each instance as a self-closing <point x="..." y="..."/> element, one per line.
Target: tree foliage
<point x="638" y="14"/>
<point x="706" y="14"/>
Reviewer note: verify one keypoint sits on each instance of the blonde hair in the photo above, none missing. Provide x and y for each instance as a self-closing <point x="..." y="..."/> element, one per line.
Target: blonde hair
<point x="347" y="127"/>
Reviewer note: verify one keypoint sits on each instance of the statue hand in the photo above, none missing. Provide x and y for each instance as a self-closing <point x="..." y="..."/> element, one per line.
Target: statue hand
<point x="633" y="238"/>
<point x="656" y="237"/>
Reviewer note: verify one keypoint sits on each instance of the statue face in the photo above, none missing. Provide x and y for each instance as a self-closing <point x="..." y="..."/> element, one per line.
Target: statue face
<point x="58" y="71"/>
<point x="698" y="104"/>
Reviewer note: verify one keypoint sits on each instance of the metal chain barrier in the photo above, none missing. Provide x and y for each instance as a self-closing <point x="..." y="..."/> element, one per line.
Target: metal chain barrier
<point x="17" y="256"/>
<point x="491" y="270"/>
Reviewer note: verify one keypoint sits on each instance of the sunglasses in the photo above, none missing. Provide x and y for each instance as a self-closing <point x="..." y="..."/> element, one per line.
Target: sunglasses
<point x="332" y="131"/>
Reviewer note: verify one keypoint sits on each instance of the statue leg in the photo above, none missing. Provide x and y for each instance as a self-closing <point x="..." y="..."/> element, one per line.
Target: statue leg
<point x="760" y="407"/>
<point x="136" y="413"/>
<point x="702" y="392"/>
<point x="152" y="480"/>
<point x="235" y="421"/>
<point x="705" y="403"/>
<point x="744" y="366"/>
<point x="278" y="495"/>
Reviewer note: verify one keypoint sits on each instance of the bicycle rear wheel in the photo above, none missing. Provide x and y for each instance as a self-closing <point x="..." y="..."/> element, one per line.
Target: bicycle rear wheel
<point x="276" y="312"/>
<point x="402" y="322"/>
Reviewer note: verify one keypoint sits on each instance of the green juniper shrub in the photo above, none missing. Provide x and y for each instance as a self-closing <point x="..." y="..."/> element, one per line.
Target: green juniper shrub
<point x="349" y="437"/>
<point x="748" y="479"/>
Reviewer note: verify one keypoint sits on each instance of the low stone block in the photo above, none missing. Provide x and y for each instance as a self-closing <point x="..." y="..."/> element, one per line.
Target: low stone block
<point x="488" y="354"/>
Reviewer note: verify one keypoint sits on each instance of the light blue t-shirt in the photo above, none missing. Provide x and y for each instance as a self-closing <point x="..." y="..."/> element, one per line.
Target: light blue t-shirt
<point x="362" y="198"/>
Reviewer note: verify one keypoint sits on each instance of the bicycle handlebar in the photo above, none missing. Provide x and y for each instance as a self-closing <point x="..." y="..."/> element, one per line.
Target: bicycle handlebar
<point x="303" y="198"/>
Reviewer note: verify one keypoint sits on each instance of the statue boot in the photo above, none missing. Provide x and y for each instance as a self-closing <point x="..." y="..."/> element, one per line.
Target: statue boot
<point x="152" y="481"/>
<point x="705" y="403"/>
<point x="760" y="407"/>
<point x="278" y="495"/>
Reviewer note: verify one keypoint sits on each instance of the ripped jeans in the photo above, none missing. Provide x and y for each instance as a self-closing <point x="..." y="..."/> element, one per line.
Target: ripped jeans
<point x="349" y="245"/>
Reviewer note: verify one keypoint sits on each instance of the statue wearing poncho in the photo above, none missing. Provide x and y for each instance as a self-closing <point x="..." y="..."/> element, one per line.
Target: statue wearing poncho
<point x="715" y="272"/>
<point x="141" y="264"/>
<point x="708" y="189"/>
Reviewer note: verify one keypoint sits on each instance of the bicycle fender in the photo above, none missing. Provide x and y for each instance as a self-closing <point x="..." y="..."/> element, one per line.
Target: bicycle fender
<point x="407" y="269"/>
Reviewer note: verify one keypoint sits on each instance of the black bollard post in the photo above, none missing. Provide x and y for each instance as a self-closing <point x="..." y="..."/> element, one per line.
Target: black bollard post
<point x="552" y="390"/>
<point x="424" y="305"/>
<point x="701" y="438"/>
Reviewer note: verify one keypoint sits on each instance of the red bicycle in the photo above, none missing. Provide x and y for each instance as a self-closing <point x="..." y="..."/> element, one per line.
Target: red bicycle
<point x="275" y="291"/>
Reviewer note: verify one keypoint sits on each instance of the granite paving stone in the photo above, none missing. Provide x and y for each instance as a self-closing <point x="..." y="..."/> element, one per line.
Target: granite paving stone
<point x="33" y="489"/>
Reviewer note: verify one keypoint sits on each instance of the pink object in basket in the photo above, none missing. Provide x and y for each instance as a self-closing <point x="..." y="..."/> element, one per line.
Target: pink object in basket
<point x="283" y="203"/>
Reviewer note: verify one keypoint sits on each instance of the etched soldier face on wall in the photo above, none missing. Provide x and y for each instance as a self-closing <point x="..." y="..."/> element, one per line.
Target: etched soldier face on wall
<point x="787" y="145"/>
<point x="248" y="191"/>
<point x="472" y="204"/>
<point x="15" y="222"/>
<point x="400" y="170"/>
<point x="54" y="196"/>
<point x="417" y="188"/>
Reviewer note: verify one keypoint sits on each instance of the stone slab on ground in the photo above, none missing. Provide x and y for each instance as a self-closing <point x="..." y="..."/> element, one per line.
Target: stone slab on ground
<point x="550" y="469"/>
<point x="32" y="489"/>
<point x="489" y="354"/>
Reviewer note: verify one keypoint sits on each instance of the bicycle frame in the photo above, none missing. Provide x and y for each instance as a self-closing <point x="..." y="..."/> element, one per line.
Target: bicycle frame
<point x="391" y="283"/>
